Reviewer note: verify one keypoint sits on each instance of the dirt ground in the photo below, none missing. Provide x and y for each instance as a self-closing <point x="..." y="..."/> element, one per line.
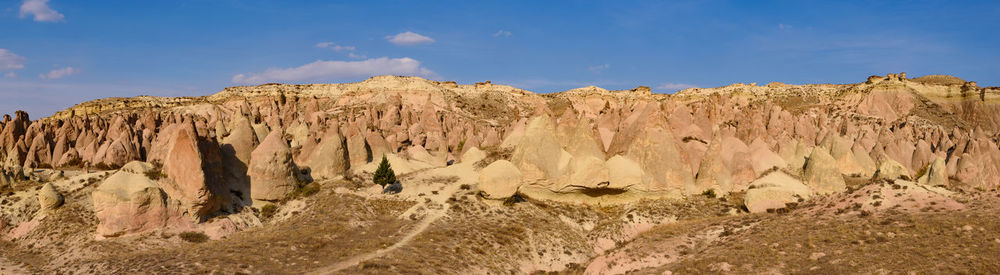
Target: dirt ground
<point x="471" y="235"/>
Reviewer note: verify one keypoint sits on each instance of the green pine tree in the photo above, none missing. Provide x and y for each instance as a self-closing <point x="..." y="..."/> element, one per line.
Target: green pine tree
<point x="384" y="174"/>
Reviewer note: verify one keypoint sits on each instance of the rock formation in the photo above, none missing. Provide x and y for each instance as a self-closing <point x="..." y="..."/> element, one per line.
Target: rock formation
<point x="272" y="172"/>
<point x="220" y="152"/>
<point x="49" y="198"/>
<point x="499" y="180"/>
<point x="130" y="202"/>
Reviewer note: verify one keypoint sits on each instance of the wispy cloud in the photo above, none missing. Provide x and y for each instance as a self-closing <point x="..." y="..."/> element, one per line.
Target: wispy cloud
<point x="599" y="68"/>
<point x="328" y="70"/>
<point x="409" y="39"/>
<point x="10" y="61"/>
<point x="547" y="85"/>
<point x="356" y="56"/>
<point x="10" y="75"/>
<point x="334" y="46"/>
<point x="59" y="73"/>
<point x="784" y="27"/>
<point x="41" y="11"/>
<point x="502" y="33"/>
<point x="673" y="87"/>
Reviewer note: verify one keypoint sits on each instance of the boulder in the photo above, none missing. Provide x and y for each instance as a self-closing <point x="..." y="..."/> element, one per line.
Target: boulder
<point x="272" y="172"/>
<point x="935" y="174"/>
<point x="499" y="180"/>
<point x="823" y="174"/>
<point x="49" y="198"/>
<point x="330" y="158"/>
<point x="890" y="170"/>
<point x="775" y="190"/>
<point x="129" y="202"/>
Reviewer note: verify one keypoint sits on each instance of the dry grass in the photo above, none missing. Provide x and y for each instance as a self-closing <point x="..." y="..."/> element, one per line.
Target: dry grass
<point x="933" y="243"/>
<point x="476" y="236"/>
<point x="333" y="228"/>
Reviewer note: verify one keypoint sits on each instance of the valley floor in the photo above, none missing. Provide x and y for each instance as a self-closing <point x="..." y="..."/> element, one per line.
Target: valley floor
<point x="453" y="231"/>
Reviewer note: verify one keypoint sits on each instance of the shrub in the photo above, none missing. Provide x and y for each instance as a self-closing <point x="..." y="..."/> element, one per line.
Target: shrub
<point x="384" y="174"/>
<point x="155" y="173"/>
<point x="516" y="198"/>
<point x="102" y="166"/>
<point x="310" y="189"/>
<point x="194" y="237"/>
<point x="710" y="193"/>
<point x="268" y="211"/>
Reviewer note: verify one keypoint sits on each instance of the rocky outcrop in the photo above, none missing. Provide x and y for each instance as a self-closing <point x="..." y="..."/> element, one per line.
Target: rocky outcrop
<point x="713" y="173"/>
<point x="935" y="174"/>
<point x="774" y="191"/>
<point x="822" y="173"/>
<point x="272" y="172"/>
<point x="891" y="170"/>
<point x="499" y="180"/>
<point x="720" y="138"/>
<point x="130" y="202"/>
<point x="186" y="180"/>
<point x="49" y="198"/>
<point x="538" y="154"/>
<point x="330" y="157"/>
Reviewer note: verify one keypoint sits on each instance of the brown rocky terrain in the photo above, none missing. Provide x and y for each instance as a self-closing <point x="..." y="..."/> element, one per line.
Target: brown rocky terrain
<point x="888" y="175"/>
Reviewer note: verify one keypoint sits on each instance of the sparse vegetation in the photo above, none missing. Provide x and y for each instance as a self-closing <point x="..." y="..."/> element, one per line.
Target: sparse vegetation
<point x="710" y="193"/>
<point x="304" y="191"/>
<point x="268" y="211"/>
<point x="516" y="198"/>
<point x="156" y="173"/>
<point x="193" y="237"/>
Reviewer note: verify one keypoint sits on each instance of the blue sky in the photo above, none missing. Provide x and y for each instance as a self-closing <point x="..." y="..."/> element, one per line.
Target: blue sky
<point x="57" y="53"/>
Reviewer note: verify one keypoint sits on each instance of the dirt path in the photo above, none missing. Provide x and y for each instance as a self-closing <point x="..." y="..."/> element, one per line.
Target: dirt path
<point x="437" y="208"/>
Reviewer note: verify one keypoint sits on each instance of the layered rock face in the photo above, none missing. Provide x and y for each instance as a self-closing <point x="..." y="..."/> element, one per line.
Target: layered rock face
<point x="222" y="151"/>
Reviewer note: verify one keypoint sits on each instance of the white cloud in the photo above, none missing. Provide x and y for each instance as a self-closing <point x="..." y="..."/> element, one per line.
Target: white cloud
<point x="784" y="27"/>
<point x="599" y="68"/>
<point x="10" y="61"/>
<point x="59" y="73"/>
<point x="502" y="33"/>
<point x="11" y="75"/>
<point x="356" y="56"/>
<point x="334" y="46"/>
<point x="41" y="11"/>
<point x="325" y="70"/>
<point x="675" y="86"/>
<point x="409" y="39"/>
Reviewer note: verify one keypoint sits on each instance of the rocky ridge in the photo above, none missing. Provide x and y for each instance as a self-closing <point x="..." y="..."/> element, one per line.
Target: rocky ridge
<point x="216" y="155"/>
